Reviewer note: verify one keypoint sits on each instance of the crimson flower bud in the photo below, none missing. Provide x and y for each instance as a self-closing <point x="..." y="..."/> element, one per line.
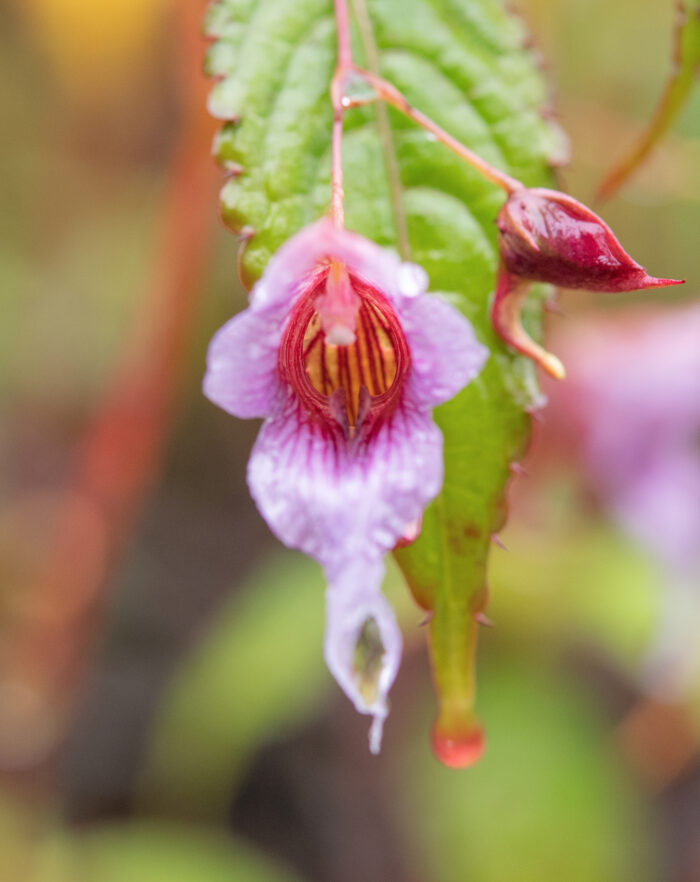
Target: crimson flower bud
<point x="546" y="236"/>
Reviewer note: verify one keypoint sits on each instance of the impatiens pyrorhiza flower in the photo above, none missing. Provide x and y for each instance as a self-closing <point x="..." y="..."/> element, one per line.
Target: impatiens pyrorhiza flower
<point x="547" y="236"/>
<point x="344" y="356"/>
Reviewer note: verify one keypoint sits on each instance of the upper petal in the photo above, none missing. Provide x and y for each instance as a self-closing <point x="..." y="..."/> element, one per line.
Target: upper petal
<point x="445" y="354"/>
<point x="287" y="270"/>
<point x="242" y="374"/>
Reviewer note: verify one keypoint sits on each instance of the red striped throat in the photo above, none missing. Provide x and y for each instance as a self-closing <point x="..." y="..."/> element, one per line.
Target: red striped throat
<point x="344" y="352"/>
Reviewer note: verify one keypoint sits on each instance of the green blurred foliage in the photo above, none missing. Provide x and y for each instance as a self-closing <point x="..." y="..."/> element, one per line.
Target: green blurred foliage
<point x="550" y="800"/>
<point x="584" y="587"/>
<point x="256" y="672"/>
<point x="153" y="852"/>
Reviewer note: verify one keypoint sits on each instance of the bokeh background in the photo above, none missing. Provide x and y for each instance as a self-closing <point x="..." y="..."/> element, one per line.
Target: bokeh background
<point x="164" y="709"/>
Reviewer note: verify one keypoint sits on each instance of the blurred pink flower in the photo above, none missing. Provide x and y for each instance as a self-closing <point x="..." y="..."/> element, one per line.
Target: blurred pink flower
<point x="632" y="402"/>
<point x="634" y="398"/>
<point x="344" y="357"/>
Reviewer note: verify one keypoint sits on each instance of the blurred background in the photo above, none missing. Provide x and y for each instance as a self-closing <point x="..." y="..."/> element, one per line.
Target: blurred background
<point x="147" y="729"/>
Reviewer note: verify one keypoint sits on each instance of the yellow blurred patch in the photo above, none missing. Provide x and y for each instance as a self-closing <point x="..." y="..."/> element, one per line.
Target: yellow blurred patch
<point x="98" y="47"/>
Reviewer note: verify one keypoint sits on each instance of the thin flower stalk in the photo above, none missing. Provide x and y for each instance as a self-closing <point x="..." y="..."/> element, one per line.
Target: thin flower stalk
<point x="389" y="93"/>
<point x="337" y="89"/>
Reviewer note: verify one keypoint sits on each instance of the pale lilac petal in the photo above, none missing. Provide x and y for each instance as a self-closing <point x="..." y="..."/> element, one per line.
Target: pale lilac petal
<point x="354" y="598"/>
<point x="659" y="507"/>
<point x="445" y="354"/>
<point x="346" y="506"/>
<point x="241" y="374"/>
<point x="338" y="502"/>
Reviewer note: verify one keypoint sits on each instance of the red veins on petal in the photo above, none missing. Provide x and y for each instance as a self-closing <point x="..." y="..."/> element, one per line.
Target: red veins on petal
<point x="350" y="384"/>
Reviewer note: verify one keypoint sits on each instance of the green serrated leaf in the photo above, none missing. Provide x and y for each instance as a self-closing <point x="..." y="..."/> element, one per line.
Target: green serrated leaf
<point x="464" y="63"/>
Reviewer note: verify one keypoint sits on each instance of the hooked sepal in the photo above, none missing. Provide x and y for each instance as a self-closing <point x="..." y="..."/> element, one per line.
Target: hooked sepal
<point x="547" y="236"/>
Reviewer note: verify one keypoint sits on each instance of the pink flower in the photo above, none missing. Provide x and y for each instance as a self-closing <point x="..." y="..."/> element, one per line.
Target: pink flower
<point x="633" y="402"/>
<point x="344" y="357"/>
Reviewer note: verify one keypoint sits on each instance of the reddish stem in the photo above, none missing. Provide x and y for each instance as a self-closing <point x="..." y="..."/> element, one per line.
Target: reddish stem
<point x="343" y="27"/>
<point x="120" y="454"/>
<point x="678" y="86"/>
<point x="343" y="66"/>
<point x="389" y="93"/>
<point x="337" y="194"/>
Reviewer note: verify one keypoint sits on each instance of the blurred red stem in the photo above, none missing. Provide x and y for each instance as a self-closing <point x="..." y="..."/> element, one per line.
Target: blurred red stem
<point x="676" y="90"/>
<point x="123" y="444"/>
